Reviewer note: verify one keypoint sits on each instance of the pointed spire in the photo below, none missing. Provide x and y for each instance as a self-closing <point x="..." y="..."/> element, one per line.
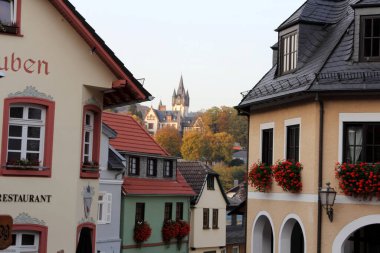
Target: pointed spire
<point x="181" y="88"/>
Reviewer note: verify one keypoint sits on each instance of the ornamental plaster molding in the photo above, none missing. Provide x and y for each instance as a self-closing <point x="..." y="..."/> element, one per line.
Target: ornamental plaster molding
<point x="30" y="91"/>
<point x="93" y="101"/>
<point x="25" y="218"/>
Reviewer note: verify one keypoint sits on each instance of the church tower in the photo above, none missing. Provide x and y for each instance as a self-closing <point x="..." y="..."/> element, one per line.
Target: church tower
<point x="181" y="99"/>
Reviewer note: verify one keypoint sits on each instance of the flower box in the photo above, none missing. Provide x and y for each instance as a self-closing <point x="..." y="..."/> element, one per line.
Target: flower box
<point x="90" y="167"/>
<point x="170" y="230"/>
<point x="24" y="165"/>
<point x="361" y="180"/>
<point x="288" y="175"/>
<point x="142" y="232"/>
<point x="260" y="176"/>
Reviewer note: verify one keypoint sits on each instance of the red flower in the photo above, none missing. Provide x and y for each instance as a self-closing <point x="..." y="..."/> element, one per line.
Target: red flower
<point x="359" y="180"/>
<point x="170" y="230"/>
<point x="184" y="229"/>
<point x="142" y="231"/>
<point x="288" y="175"/>
<point x="260" y="176"/>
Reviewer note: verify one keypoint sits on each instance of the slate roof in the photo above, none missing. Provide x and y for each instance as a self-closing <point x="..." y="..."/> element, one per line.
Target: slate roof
<point x="162" y="115"/>
<point x="325" y="57"/>
<point x="235" y="235"/>
<point x="154" y="186"/>
<point x="131" y="136"/>
<point x="195" y="174"/>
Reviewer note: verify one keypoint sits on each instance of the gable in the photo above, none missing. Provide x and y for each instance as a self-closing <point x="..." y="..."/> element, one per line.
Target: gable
<point x="212" y="198"/>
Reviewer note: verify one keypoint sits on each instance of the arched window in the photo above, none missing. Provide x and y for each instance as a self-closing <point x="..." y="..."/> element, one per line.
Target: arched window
<point x="292" y="238"/>
<point x="262" y="241"/>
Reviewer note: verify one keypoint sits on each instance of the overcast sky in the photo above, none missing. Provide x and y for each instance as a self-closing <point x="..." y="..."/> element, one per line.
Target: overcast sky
<point x="221" y="47"/>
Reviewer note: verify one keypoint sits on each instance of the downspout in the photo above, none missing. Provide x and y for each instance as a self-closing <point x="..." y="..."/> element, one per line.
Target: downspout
<point x="320" y="171"/>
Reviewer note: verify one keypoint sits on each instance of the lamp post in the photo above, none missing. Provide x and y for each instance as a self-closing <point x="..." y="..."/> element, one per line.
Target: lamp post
<point x="327" y="198"/>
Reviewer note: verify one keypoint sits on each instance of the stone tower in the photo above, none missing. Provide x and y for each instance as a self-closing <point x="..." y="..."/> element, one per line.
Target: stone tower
<point x="181" y="99"/>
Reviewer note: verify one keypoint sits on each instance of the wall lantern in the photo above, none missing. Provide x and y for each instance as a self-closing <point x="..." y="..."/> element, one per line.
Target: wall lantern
<point x="327" y="198"/>
<point x="88" y="193"/>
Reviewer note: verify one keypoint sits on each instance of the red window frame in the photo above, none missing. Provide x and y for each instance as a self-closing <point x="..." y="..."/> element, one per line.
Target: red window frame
<point x="96" y="140"/>
<point x="90" y="226"/>
<point x="49" y="131"/>
<point x="42" y="230"/>
<point x="18" y="22"/>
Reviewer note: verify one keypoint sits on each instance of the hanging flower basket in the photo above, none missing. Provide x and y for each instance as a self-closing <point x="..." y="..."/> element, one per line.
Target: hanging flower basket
<point x="260" y="176"/>
<point x="361" y="180"/>
<point x="170" y="230"/>
<point x="288" y="175"/>
<point x="142" y="232"/>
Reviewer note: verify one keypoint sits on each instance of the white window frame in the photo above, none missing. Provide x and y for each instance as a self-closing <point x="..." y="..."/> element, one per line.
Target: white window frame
<point x="235" y="249"/>
<point x="105" y="208"/>
<point x="265" y="126"/>
<point x="24" y="122"/>
<point x="353" y="117"/>
<point x="291" y="122"/>
<point x="168" y="169"/>
<point x="288" y="52"/>
<point x="13" y="12"/>
<point x="18" y="248"/>
<point x="88" y="129"/>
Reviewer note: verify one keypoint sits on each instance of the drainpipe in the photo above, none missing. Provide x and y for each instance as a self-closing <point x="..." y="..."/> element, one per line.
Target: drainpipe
<point x="320" y="171"/>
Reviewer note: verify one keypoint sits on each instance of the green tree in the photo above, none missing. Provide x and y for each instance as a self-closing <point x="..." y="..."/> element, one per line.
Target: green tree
<point x="169" y="139"/>
<point x="227" y="175"/>
<point x="221" y="146"/>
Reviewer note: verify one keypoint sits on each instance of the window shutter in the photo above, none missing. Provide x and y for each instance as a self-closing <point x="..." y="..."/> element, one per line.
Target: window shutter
<point x="108" y="207"/>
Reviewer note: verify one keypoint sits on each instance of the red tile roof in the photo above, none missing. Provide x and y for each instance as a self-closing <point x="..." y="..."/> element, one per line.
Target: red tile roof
<point x="131" y="136"/>
<point x="148" y="186"/>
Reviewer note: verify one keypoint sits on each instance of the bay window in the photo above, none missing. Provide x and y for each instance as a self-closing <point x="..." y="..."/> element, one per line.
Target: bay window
<point x="27" y="137"/>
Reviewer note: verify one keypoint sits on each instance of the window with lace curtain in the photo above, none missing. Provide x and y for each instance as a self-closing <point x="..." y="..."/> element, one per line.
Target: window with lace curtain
<point x="361" y="142"/>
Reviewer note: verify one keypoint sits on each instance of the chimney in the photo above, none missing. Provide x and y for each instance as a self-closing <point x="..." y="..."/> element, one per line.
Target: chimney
<point x="275" y="54"/>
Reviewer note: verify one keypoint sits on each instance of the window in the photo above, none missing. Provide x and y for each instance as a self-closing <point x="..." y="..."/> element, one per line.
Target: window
<point x="27" y="137"/>
<point x="210" y="182"/>
<point x="150" y="125"/>
<point x="206" y="213"/>
<point x="288" y="56"/>
<point x="267" y="146"/>
<point x="134" y="165"/>
<point x="26" y="134"/>
<point x="24" y="242"/>
<point x="361" y="142"/>
<point x="235" y="249"/>
<point x="168" y="168"/>
<point x="168" y="211"/>
<point x="104" y="207"/>
<point x="28" y="238"/>
<point x="179" y="211"/>
<point x="152" y="167"/>
<point x="215" y="218"/>
<point x="292" y="143"/>
<point x="370" y="38"/>
<point x="140" y="212"/>
<point x="9" y="21"/>
<point x="91" y="141"/>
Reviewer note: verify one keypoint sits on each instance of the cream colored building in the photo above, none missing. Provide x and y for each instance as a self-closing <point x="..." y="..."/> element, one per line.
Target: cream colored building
<point x="59" y="76"/>
<point x="208" y="208"/>
<point x="318" y="105"/>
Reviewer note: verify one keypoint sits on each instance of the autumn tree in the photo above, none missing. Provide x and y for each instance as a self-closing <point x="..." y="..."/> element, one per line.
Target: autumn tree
<point x="226" y="119"/>
<point x="169" y="139"/>
<point x="227" y="174"/>
<point x="196" y="146"/>
<point x="221" y="146"/>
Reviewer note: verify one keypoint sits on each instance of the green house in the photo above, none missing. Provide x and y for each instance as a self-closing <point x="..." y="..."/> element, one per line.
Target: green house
<point x="154" y="190"/>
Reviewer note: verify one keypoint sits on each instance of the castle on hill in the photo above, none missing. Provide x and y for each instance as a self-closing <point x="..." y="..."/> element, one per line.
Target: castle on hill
<point x="179" y="117"/>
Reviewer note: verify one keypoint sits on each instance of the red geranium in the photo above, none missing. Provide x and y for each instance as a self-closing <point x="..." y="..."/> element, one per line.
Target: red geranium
<point x="170" y="230"/>
<point x="359" y="180"/>
<point x="184" y="229"/>
<point x="260" y="176"/>
<point x="142" y="232"/>
<point x="288" y="175"/>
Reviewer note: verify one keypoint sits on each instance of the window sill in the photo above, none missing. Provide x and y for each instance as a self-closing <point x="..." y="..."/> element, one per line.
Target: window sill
<point x="215" y="227"/>
<point x="27" y="171"/>
<point x="206" y="228"/>
<point x="10" y="30"/>
<point x="93" y="174"/>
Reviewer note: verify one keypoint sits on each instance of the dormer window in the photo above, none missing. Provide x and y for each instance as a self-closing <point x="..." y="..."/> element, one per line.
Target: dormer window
<point x="8" y="16"/>
<point x="288" y="52"/>
<point x="370" y="38"/>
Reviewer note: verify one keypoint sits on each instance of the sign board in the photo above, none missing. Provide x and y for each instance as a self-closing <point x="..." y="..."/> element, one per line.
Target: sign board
<point x="6" y="223"/>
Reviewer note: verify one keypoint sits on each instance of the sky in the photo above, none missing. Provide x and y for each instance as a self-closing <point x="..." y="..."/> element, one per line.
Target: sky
<point x="220" y="47"/>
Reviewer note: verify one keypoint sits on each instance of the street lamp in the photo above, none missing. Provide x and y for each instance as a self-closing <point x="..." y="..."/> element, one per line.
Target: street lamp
<point x="327" y="198"/>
